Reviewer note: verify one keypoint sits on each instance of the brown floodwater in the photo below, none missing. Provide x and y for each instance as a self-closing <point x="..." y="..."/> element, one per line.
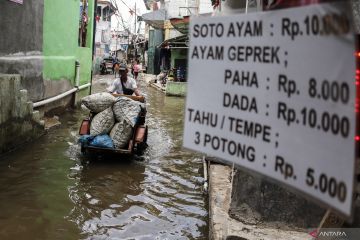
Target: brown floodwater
<point x="49" y="191"/>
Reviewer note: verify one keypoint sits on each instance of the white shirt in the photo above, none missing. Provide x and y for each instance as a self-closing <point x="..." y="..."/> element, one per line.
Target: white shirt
<point x="116" y="86"/>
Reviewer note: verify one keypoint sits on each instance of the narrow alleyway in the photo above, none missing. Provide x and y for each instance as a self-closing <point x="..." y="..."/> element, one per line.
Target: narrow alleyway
<point x="49" y="191"/>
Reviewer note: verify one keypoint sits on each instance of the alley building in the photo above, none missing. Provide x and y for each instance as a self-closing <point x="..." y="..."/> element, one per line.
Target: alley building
<point x="46" y="52"/>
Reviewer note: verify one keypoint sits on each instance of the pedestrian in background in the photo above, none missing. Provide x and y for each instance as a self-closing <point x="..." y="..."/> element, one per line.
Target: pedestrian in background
<point x="136" y="68"/>
<point x="116" y="64"/>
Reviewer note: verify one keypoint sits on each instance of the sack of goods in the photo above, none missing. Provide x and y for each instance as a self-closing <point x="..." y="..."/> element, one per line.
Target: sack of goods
<point x="121" y="134"/>
<point x="102" y="123"/>
<point x="116" y="118"/>
<point x="127" y="109"/>
<point x="98" y="102"/>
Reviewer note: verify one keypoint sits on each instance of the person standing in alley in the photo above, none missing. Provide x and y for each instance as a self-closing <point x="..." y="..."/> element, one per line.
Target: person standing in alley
<point x="136" y="68"/>
<point x="116" y="64"/>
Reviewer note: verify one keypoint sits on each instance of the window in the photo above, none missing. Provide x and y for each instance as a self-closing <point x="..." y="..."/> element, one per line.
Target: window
<point x="98" y="11"/>
<point x="106" y="13"/>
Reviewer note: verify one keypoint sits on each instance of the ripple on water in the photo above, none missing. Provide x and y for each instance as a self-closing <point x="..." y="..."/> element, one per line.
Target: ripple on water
<point x="52" y="190"/>
<point x="160" y="198"/>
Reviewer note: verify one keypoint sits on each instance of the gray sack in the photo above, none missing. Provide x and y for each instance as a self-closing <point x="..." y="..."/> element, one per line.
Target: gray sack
<point x="98" y="102"/>
<point x="121" y="134"/>
<point x="102" y="123"/>
<point x="127" y="109"/>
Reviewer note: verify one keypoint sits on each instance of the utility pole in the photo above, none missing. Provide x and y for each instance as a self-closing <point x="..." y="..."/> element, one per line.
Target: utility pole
<point x="135" y="18"/>
<point x="127" y="49"/>
<point x="135" y="52"/>
<point x="116" y="35"/>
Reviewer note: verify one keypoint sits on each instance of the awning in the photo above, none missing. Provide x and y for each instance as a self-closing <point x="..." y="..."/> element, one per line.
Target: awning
<point x="155" y="19"/>
<point x="176" y="42"/>
<point x="181" y="24"/>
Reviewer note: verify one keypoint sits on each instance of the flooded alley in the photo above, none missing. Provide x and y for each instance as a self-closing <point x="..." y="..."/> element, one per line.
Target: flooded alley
<point x="240" y="119"/>
<point x="49" y="191"/>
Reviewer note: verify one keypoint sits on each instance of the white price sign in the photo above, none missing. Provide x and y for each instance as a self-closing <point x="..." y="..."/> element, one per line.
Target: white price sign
<point x="274" y="92"/>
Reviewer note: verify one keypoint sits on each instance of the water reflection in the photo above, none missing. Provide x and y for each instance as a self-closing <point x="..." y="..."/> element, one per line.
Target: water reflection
<point x="159" y="198"/>
<point x="100" y="195"/>
<point x="47" y="193"/>
<point x="33" y="190"/>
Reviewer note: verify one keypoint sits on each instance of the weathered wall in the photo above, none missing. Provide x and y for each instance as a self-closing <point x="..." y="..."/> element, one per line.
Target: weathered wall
<point x="21" y="43"/>
<point x="18" y="122"/>
<point x="175" y="8"/>
<point x="223" y="226"/>
<point x="61" y="48"/>
<point x="39" y="42"/>
<point x="355" y="4"/>
<point x="257" y="201"/>
<point x="176" y="88"/>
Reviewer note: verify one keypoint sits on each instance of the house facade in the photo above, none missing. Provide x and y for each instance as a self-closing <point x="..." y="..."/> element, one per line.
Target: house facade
<point x="119" y="43"/>
<point x="167" y="26"/>
<point x="104" y="11"/>
<point x="40" y="56"/>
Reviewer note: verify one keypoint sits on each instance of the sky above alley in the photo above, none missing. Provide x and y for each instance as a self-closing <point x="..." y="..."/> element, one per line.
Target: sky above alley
<point x="124" y="9"/>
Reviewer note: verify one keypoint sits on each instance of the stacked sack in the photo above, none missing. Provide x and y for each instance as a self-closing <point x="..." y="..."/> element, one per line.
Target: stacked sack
<point x="114" y="120"/>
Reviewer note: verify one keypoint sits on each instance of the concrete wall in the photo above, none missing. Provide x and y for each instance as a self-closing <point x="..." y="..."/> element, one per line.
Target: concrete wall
<point x="39" y="43"/>
<point x="60" y="42"/>
<point x="222" y="226"/>
<point x="176" y="89"/>
<point x="180" y="8"/>
<point x="155" y="38"/>
<point x="21" y="44"/>
<point x="257" y="201"/>
<point x="102" y="25"/>
<point x="18" y="122"/>
<point x="61" y="48"/>
<point x="356" y="14"/>
<point x="102" y="38"/>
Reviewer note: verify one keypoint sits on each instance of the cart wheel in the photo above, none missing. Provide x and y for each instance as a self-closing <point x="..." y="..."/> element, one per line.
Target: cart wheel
<point x="140" y="148"/>
<point x="82" y="149"/>
<point x="146" y="135"/>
